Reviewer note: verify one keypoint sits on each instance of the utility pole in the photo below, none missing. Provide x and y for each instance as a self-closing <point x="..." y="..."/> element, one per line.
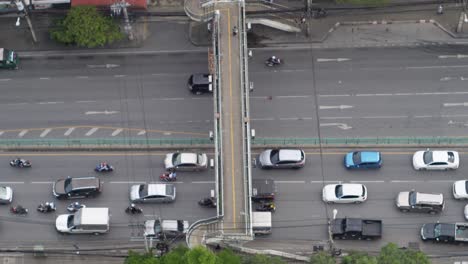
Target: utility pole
<point x="117" y="9"/>
<point x="22" y="10"/>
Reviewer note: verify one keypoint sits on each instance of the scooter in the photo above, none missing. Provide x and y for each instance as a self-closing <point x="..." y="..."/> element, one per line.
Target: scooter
<point x="18" y="210"/>
<point x="133" y="210"/>
<point x="104" y="168"/>
<point x="73" y="207"/>
<point x="20" y="163"/>
<point x="167" y="178"/>
<point x="46" y="207"/>
<point x="270" y="62"/>
<point x="266" y="207"/>
<point x="207" y="202"/>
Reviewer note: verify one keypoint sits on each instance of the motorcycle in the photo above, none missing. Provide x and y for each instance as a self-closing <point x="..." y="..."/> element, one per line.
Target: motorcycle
<point x="19" y="210"/>
<point x="273" y="62"/>
<point x="46" y="207"/>
<point x="73" y="207"/>
<point x="266" y="207"/>
<point x="319" y="13"/>
<point x="20" y="163"/>
<point x="167" y="177"/>
<point x="103" y="168"/>
<point x="207" y="202"/>
<point x="132" y="209"/>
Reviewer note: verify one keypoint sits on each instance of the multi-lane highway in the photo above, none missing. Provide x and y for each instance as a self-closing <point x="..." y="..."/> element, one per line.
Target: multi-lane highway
<point x="339" y="93"/>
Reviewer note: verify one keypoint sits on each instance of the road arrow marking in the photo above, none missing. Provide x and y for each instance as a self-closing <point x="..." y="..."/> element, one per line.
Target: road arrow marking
<point x="101" y="112"/>
<point x="108" y="66"/>
<point x="337" y="60"/>
<point x="455" y="104"/>
<point x="323" y="107"/>
<point x="458" y="56"/>
<point x="339" y="125"/>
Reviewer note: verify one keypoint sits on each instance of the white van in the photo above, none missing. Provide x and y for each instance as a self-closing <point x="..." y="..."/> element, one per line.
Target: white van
<point x="84" y="221"/>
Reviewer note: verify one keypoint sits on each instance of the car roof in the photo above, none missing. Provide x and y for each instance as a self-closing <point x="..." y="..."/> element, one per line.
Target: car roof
<point x="83" y="182"/>
<point x="157" y="189"/>
<point x="201" y="78"/>
<point x="290" y="154"/>
<point x="188" y="158"/>
<point x="352" y="189"/>
<point x="370" y="156"/>
<point x="439" y="156"/>
<point x="429" y="198"/>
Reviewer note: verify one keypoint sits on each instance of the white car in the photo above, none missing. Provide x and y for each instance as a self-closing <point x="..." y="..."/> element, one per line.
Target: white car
<point x="436" y="160"/>
<point x="6" y="194"/>
<point x="186" y="161"/>
<point x="344" y="193"/>
<point x="460" y="189"/>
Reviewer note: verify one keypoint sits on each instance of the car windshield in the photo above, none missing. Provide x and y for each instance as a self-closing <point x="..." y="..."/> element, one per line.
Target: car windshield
<point x="466" y="186"/>
<point x="412" y="198"/>
<point x="176" y="159"/>
<point x="427" y="157"/>
<point x="68" y="185"/>
<point x="339" y="191"/>
<point x="157" y="227"/>
<point x="274" y="156"/>
<point x="70" y="221"/>
<point x="3" y="191"/>
<point x="356" y="158"/>
<point x="169" y="190"/>
<point x="451" y="157"/>
<point x="143" y="191"/>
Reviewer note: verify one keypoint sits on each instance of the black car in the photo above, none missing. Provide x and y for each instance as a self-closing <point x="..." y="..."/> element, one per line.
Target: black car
<point x="77" y="187"/>
<point x="200" y="83"/>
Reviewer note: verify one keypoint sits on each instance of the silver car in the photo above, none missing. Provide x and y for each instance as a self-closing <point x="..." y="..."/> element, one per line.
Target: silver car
<point x="153" y="193"/>
<point x="186" y="161"/>
<point x="282" y="159"/>
<point x="6" y="194"/>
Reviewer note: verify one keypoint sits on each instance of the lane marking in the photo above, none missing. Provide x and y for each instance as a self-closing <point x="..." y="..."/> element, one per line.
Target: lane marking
<point x="128" y="182"/>
<point x="47" y="103"/>
<point x="116" y="132"/>
<point x="11" y="182"/>
<point x="106" y="112"/>
<point x="292" y="96"/>
<point x="69" y="131"/>
<point x="324" y="181"/>
<point x="334" y="95"/>
<point x="91" y="131"/>
<point x="336" y="117"/>
<point x="4" y="80"/>
<point x="119" y="76"/>
<point x="339" y="125"/>
<point x="387" y="94"/>
<point x="203" y="182"/>
<point x="341" y="107"/>
<point x="332" y="60"/>
<point x="44" y="78"/>
<point x="383" y="117"/>
<point x="22" y="133"/>
<point x="142" y="132"/>
<point x="435" y="67"/>
<point x="170" y="99"/>
<point x="17" y="104"/>
<point x="289" y="181"/>
<point x="367" y="181"/>
<point x="82" y="77"/>
<point x="42" y="182"/>
<point x="262" y="119"/>
<point x="402" y="181"/>
<point x="45" y="132"/>
<point x="85" y="101"/>
<point x="455" y="104"/>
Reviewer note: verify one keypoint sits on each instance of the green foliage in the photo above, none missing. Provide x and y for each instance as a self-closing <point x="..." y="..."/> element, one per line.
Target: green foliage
<point x="359" y="258"/>
<point x="391" y="254"/>
<point x="322" y="258"/>
<point x="84" y="26"/>
<point x="363" y="2"/>
<point x="176" y="256"/>
<point x="226" y="256"/>
<point x="136" y="258"/>
<point x="200" y="255"/>
<point x="262" y="259"/>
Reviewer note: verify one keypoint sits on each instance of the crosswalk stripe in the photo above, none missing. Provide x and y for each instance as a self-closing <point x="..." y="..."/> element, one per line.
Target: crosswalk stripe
<point x="69" y="131"/>
<point x="116" y="132"/>
<point x="45" y="132"/>
<point x="91" y="131"/>
<point x="22" y="133"/>
<point x="142" y="132"/>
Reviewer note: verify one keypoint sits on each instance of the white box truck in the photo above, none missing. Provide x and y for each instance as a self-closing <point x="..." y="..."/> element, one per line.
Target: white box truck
<point x="84" y="221"/>
<point x="261" y="223"/>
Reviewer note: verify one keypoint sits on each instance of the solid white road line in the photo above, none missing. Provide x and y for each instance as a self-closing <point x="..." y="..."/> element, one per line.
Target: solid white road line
<point x="289" y="181"/>
<point x="142" y="132"/>
<point x="45" y="132"/>
<point x="91" y="131"/>
<point x="367" y="181"/>
<point x="205" y="182"/>
<point x="128" y="182"/>
<point x="324" y="181"/>
<point x="402" y="181"/>
<point x="116" y="132"/>
<point x="22" y="133"/>
<point x="69" y="131"/>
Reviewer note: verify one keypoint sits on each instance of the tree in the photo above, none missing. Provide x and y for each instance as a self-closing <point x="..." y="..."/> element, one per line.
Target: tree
<point x="175" y="256"/>
<point x="84" y="26"/>
<point x="359" y="258"/>
<point x="262" y="259"/>
<point x="322" y="258"/>
<point x="136" y="258"/>
<point x="391" y="254"/>
<point x="200" y="255"/>
<point x="226" y="256"/>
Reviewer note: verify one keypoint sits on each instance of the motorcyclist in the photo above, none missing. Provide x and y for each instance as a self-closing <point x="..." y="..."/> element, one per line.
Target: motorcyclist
<point x="19" y="209"/>
<point x="274" y="60"/>
<point x="235" y="30"/>
<point x="133" y="208"/>
<point x="18" y="162"/>
<point x="172" y="175"/>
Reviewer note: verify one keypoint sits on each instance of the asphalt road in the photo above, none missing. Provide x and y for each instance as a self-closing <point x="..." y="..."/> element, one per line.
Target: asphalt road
<point x="302" y="215"/>
<point x="353" y="92"/>
<point x="34" y="185"/>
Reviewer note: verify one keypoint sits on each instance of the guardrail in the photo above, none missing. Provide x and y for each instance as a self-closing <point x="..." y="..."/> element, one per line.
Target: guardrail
<point x="79" y="142"/>
<point x="416" y="141"/>
<point x="199" y="223"/>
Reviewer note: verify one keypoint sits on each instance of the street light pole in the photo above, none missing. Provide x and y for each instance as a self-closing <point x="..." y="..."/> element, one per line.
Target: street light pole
<point x="21" y="9"/>
<point x="330" y="235"/>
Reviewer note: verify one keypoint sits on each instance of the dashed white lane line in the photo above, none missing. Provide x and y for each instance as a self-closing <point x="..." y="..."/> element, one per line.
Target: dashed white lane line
<point x="46" y="103"/>
<point x="142" y="132"/>
<point x="4" y="80"/>
<point x="11" y="182"/>
<point x="44" y="78"/>
<point x="17" y="104"/>
<point x="293" y="96"/>
<point x="45" y="132"/>
<point x="334" y="95"/>
<point x="393" y="94"/>
<point x="86" y="101"/>
<point x="22" y="133"/>
<point x="91" y="131"/>
<point x="435" y="67"/>
<point x="289" y="181"/>
<point x="324" y="181"/>
<point x="336" y="117"/>
<point x="127" y="182"/>
<point x="82" y="77"/>
<point x="263" y="119"/>
<point x="120" y="75"/>
<point x="387" y="94"/>
<point x="42" y="182"/>
<point x="170" y="98"/>
<point x="383" y="117"/>
<point x="367" y="181"/>
<point x="205" y="182"/>
<point x="116" y="132"/>
<point x="402" y="181"/>
<point x="69" y="131"/>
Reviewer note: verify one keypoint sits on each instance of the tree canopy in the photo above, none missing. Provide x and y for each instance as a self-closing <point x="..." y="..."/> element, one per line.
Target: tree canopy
<point x="84" y="26"/>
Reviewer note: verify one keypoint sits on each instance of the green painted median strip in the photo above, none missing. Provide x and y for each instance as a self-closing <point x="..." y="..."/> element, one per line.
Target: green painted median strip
<point x="156" y="142"/>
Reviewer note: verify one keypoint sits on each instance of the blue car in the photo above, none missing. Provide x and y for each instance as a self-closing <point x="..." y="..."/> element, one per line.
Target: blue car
<point x="363" y="160"/>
